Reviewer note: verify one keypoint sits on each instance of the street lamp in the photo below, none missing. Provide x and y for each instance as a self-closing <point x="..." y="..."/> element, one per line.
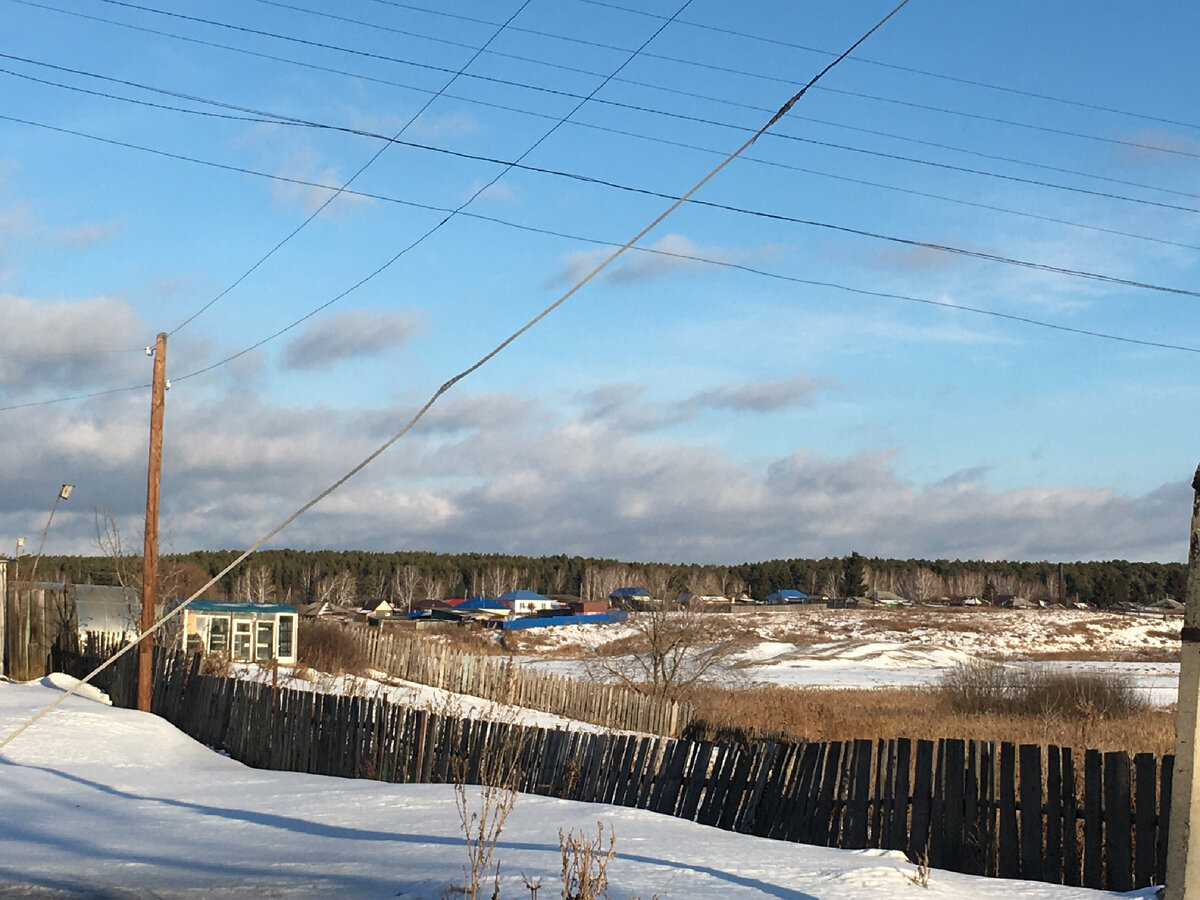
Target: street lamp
<point x="63" y="493"/>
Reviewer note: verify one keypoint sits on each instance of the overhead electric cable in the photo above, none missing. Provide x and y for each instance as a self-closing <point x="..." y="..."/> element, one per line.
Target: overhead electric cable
<point x="507" y="167"/>
<point x="383" y="57"/>
<point x="865" y="60"/>
<point x="780" y="135"/>
<point x="588" y="179"/>
<point x="268" y="117"/>
<point x="709" y="98"/>
<point x="262" y="259"/>
<point x="652" y="110"/>
<point x="726" y="264"/>
<point x="93" y="394"/>
<point x="161" y="622"/>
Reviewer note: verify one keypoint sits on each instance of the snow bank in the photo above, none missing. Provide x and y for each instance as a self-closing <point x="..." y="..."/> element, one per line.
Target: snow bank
<point x="101" y="801"/>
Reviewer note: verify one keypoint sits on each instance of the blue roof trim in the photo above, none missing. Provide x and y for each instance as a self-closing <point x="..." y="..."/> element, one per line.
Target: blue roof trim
<point x="607" y="618"/>
<point x="630" y="592"/>
<point x="225" y="606"/>
<point x="480" y="603"/>
<point x="787" y="592"/>
<point x="522" y="594"/>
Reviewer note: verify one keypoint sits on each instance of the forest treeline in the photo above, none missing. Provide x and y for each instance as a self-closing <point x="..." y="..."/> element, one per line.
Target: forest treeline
<point x="349" y="576"/>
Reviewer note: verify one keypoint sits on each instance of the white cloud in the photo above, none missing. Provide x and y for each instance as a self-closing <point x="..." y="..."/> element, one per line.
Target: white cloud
<point x="307" y="166"/>
<point x="670" y="254"/>
<point x="763" y="396"/>
<point x="357" y="334"/>
<point x="622" y="406"/>
<point x="87" y="235"/>
<point x="496" y="472"/>
<point x="68" y="345"/>
<point x="1157" y="146"/>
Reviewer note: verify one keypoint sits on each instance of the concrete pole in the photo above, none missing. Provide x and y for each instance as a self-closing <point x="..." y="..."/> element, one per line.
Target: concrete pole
<point x="150" y="550"/>
<point x="1183" y="850"/>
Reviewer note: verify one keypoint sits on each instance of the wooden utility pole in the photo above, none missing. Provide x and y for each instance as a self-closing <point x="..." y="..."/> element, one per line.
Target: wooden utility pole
<point x="150" y="549"/>
<point x="1183" y="849"/>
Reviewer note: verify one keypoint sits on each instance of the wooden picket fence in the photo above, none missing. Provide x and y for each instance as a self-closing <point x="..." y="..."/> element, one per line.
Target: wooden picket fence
<point x="969" y="806"/>
<point x="501" y="679"/>
<point x="34" y="620"/>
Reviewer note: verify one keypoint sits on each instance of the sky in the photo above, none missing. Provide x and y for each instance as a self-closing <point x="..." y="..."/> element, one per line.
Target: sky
<point x="943" y="308"/>
<point x="117" y="803"/>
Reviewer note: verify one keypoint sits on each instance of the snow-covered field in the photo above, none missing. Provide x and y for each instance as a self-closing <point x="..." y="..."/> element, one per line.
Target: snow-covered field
<point x="100" y="802"/>
<point x="810" y="646"/>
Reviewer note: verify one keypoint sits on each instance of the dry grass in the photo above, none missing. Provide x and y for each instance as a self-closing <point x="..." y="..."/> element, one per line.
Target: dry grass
<point x="1038" y="693"/>
<point x="329" y="647"/>
<point x="808" y="714"/>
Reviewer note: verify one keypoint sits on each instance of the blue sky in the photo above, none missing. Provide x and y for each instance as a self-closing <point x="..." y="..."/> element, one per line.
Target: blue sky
<point x="758" y="388"/>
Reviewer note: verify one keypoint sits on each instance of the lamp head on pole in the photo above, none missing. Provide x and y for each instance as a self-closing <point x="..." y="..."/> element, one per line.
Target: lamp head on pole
<point x="65" y="491"/>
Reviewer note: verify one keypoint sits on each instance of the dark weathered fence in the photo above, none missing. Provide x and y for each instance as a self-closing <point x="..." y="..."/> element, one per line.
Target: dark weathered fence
<point x="35" y="618"/>
<point x="500" y="679"/>
<point x="970" y="806"/>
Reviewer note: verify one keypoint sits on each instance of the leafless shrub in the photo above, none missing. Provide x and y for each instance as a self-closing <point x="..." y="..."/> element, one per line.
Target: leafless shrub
<point x="987" y="687"/>
<point x="484" y="808"/>
<point x="216" y="664"/>
<point x="330" y="647"/>
<point x="920" y="877"/>
<point x="585" y="863"/>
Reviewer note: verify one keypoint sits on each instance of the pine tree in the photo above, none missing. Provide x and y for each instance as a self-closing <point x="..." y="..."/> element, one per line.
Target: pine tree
<point x="853" y="584"/>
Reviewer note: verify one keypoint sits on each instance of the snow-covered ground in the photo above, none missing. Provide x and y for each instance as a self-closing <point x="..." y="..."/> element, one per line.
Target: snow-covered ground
<point x="810" y="646"/>
<point x="101" y="802"/>
<point x="409" y="693"/>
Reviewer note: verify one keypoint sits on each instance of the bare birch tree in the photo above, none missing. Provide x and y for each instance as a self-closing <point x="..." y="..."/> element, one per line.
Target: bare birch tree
<point x="403" y="586"/>
<point x="671" y="650"/>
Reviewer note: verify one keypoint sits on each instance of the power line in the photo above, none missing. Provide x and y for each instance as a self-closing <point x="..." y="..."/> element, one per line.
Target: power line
<point x="93" y="394"/>
<point x="696" y="95"/>
<point x="270" y="117"/>
<point x="864" y="60"/>
<point x="350" y="181"/>
<point x="508" y="166"/>
<point x="781" y="217"/>
<point x="677" y="115"/>
<point x="648" y="250"/>
<point x="713" y="67"/>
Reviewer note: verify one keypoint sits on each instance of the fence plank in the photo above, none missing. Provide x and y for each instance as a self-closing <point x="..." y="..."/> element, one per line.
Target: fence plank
<point x="822" y="811"/>
<point x="1093" y="799"/>
<point x="1030" y="761"/>
<point x="858" y="800"/>
<point x="1052" y="866"/>
<point x="1070" y="806"/>
<point x="1008" y="863"/>
<point x="1166" y="777"/>
<point x="1117" y="822"/>
<point x="954" y="830"/>
<point x="1145" y="809"/>
<point x="899" y="827"/>
<point x="922" y="801"/>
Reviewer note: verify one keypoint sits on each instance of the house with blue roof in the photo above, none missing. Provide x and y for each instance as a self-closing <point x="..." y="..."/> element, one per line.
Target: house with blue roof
<point x="526" y="603"/>
<point x="630" y="595"/>
<point x="787" y="595"/>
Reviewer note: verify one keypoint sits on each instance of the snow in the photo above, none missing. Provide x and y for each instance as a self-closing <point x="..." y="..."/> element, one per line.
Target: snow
<point x="409" y="693"/>
<point x="814" y="647"/>
<point x="102" y="801"/>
